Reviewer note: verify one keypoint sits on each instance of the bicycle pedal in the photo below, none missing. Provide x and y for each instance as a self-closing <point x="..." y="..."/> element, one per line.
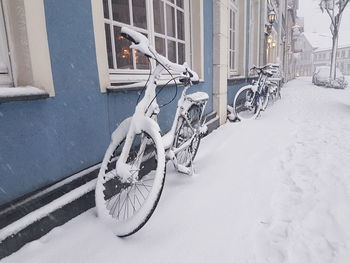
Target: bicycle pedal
<point x="183" y="169"/>
<point x="203" y="130"/>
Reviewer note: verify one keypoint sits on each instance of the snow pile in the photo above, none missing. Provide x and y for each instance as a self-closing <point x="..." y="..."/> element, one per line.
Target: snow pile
<point x="274" y="189"/>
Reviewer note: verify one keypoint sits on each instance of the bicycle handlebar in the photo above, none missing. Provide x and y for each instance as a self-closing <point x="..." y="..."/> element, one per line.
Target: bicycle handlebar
<point x="141" y="43"/>
<point x="269" y="69"/>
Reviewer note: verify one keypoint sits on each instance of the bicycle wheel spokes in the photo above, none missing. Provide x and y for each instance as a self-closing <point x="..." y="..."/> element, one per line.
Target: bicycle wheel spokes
<point x="185" y="133"/>
<point x="124" y="199"/>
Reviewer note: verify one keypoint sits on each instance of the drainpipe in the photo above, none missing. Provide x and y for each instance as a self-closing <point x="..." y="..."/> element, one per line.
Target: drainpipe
<point x="262" y="45"/>
<point x="220" y="60"/>
<point x="247" y="44"/>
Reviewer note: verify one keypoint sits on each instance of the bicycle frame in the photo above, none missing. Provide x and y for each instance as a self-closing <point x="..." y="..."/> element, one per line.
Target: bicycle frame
<point x="145" y="113"/>
<point x="258" y="87"/>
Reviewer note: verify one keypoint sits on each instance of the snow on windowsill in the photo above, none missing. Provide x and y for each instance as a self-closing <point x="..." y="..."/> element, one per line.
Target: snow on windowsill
<point x="21" y="93"/>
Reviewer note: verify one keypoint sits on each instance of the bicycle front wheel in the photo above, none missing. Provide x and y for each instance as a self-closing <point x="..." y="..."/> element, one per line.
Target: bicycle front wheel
<point x="127" y="205"/>
<point x="186" y="130"/>
<point x="245" y="105"/>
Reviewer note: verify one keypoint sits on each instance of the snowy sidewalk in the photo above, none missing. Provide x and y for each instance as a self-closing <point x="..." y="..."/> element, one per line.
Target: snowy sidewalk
<point x="272" y="190"/>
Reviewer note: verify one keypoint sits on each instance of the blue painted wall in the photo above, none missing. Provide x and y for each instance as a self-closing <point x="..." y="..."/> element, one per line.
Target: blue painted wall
<point x="44" y="141"/>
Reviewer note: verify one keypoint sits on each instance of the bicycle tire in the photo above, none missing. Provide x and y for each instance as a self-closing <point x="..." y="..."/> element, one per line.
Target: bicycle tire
<point x="265" y="99"/>
<point x="107" y="188"/>
<point x="244" y="96"/>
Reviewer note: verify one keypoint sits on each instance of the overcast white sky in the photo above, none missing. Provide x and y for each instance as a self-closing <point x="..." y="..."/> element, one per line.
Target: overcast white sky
<point x="317" y="24"/>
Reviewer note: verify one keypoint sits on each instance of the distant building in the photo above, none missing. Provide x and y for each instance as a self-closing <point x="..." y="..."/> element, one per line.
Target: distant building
<point x="322" y="57"/>
<point x="305" y="64"/>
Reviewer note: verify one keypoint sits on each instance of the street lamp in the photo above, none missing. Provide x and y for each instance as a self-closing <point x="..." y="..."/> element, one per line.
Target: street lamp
<point x="271" y="17"/>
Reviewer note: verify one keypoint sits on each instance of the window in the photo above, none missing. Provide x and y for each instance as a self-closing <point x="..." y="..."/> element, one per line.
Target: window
<point x="166" y="26"/>
<point x="343" y="54"/>
<point x="24" y="51"/>
<point x="5" y="66"/>
<point x="233" y="33"/>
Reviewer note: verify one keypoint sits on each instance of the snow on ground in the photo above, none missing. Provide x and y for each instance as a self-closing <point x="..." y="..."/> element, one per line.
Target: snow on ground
<point x="276" y="189"/>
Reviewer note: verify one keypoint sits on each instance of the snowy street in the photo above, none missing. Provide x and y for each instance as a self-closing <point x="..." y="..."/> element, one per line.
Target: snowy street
<point x="276" y="189"/>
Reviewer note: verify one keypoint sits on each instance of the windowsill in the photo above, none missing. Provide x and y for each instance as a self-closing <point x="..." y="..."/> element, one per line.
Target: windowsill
<point x="21" y="94"/>
<point x="236" y="79"/>
<point x="138" y="85"/>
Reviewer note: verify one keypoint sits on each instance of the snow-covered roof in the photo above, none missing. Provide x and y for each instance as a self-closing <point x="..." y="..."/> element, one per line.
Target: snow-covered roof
<point x="323" y="42"/>
<point x="329" y="48"/>
<point x="318" y="41"/>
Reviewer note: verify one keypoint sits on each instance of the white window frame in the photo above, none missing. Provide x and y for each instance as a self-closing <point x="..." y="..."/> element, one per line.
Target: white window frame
<point x="136" y="75"/>
<point x="234" y="7"/>
<point x="5" y="75"/>
<point x="27" y="43"/>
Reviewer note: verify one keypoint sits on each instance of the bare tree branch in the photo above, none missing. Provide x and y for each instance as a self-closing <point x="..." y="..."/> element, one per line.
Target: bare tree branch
<point x="331" y="16"/>
<point x="341" y="9"/>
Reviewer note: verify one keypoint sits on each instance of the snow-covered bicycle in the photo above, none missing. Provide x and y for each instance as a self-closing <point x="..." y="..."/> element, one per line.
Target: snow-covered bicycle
<point x="275" y="81"/>
<point x="250" y="100"/>
<point x="132" y="174"/>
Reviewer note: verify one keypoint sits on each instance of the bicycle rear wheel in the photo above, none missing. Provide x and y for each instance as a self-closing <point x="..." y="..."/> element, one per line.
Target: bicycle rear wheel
<point x="265" y="98"/>
<point x="245" y="105"/>
<point x="127" y="205"/>
<point x="185" y="131"/>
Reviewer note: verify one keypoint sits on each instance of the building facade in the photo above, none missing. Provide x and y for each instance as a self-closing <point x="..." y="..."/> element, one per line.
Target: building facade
<point x="322" y="57"/>
<point x="305" y="63"/>
<point x="294" y="29"/>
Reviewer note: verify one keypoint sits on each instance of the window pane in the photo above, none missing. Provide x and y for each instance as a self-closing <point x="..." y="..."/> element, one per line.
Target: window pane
<point x="170" y="19"/>
<point x="109" y="45"/>
<point x="105" y="9"/>
<point x="139" y="13"/>
<point x="158" y="11"/>
<point x="181" y="51"/>
<point x="180" y="25"/>
<point x="234" y="21"/>
<point x="233" y="61"/>
<point x="172" y="51"/>
<point x="122" y="50"/>
<point x="121" y="11"/>
<point x="233" y="41"/>
<point x="141" y="60"/>
<point x="180" y="3"/>
<point x="160" y="46"/>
